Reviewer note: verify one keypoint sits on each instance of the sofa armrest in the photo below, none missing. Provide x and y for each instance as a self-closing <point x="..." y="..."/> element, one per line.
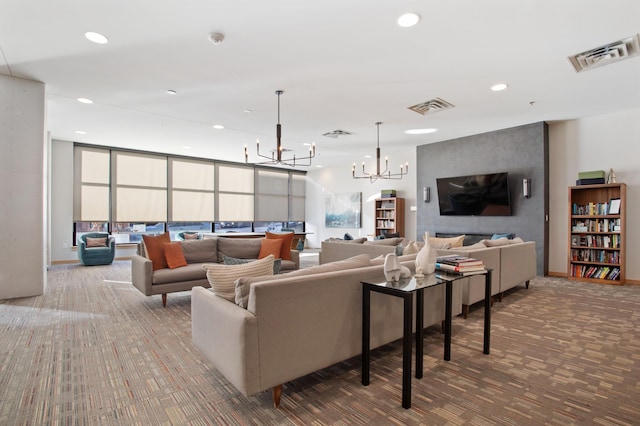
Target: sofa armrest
<point x="295" y="256"/>
<point x="228" y="337"/>
<point x="517" y="264"/>
<point x="142" y="274"/>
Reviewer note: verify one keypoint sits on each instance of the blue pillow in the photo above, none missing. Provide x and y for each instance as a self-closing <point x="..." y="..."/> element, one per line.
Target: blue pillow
<point x="227" y="260"/>
<point x="348" y="236"/>
<point x="509" y="236"/>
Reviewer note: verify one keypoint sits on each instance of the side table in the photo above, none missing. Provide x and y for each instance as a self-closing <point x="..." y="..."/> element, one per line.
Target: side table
<point x="405" y="289"/>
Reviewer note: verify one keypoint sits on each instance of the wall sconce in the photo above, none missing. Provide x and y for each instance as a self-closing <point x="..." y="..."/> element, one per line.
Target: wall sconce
<point x="426" y="194"/>
<point x="526" y="187"/>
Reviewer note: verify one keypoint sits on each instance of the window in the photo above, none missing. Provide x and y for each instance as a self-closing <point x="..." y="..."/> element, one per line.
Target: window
<point x="272" y="190"/>
<point x="235" y="193"/>
<point x="132" y="193"/>
<point x="140" y="187"/>
<point x="91" y="186"/>
<point x="192" y="190"/>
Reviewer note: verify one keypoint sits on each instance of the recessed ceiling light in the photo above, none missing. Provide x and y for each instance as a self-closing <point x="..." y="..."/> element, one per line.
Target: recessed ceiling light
<point x="499" y="87"/>
<point x="367" y="156"/>
<point x="420" y="131"/>
<point x="85" y="100"/>
<point x="408" y="20"/>
<point x="96" y="37"/>
<point x="186" y="147"/>
<point x="248" y="111"/>
<point x="319" y="166"/>
<point x="171" y="92"/>
<point x="81" y="132"/>
<point x="218" y="126"/>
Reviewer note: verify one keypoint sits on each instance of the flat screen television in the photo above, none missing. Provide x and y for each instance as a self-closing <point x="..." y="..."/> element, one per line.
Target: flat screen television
<point x="474" y="195"/>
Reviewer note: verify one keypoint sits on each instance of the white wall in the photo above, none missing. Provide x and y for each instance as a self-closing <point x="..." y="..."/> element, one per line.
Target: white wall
<point x="338" y="180"/>
<point x="22" y="187"/>
<point x="594" y="143"/>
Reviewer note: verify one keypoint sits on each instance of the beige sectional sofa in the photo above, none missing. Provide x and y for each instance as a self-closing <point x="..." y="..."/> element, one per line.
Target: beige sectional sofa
<point x="333" y="250"/>
<point x="196" y="253"/>
<point x="513" y="263"/>
<point x="298" y="323"/>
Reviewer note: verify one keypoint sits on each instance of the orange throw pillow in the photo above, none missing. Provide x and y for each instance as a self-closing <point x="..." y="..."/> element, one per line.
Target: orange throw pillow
<point x="174" y="255"/>
<point x="268" y="247"/>
<point x="285" y="250"/>
<point x="154" y="248"/>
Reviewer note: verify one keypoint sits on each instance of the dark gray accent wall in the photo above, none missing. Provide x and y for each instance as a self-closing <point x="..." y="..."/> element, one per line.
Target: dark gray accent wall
<point x="522" y="152"/>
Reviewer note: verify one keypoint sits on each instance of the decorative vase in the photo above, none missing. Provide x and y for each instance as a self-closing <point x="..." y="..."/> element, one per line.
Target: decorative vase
<point x="393" y="270"/>
<point x="426" y="258"/>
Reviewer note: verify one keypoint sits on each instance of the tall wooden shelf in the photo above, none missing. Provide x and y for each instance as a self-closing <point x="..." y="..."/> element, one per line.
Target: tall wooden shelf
<point x="390" y="216"/>
<point x="597" y="234"/>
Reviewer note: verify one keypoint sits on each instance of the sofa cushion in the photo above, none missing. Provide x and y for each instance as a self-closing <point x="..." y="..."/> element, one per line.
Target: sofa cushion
<point x="222" y="277"/>
<point x="454" y="242"/>
<point x="285" y="250"/>
<point x="241" y="248"/>
<point x="497" y="242"/>
<point x="270" y="246"/>
<point x="190" y="235"/>
<point x="96" y="242"/>
<point x="174" y="256"/>
<point x="154" y="249"/>
<point x="191" y="272"/>
<point x="386" y="241"/>
<point x="243" y="284"/>
<point x="478" y="245"/>
<point x="200" y="251"/>
<point x="516" y="240"/>
<point x="404" y="258"/>
<point x="233" y="261"/>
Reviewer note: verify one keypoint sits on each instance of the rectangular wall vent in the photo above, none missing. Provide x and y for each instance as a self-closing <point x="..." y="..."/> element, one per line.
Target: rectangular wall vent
<point x="434" y="105"/>
<point x="607" y="54"/>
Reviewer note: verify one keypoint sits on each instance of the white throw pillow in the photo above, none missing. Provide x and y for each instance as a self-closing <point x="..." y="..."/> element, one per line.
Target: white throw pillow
<point x="438" y="242"/>
<point x="222" y="277"/>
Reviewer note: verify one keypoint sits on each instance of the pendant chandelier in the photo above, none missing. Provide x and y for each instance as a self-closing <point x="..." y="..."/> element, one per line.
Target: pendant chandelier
<point x="386" y="173"/>
<point x="276" y="155"/>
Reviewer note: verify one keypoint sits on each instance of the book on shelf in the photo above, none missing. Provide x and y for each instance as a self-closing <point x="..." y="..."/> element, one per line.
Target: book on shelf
<point x="458" y="260"/>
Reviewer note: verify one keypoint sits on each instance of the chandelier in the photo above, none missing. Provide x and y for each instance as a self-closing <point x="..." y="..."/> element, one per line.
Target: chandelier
<point x="276" y="155"/>
<point x="386" y="173"/>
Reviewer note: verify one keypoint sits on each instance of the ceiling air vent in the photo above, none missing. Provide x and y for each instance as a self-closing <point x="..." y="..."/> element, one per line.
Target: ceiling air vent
<point x="336" y="133"/>
<point x="434" y="105"/>
<point x="607" y="54"/>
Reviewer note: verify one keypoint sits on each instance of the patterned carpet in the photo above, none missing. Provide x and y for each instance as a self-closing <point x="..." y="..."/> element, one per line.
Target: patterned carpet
<point x="93" y="350"/>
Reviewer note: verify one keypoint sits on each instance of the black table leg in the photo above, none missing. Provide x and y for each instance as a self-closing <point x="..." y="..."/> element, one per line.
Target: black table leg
<point x="406" y="350"/>
<point x="366" y="334"/>
<point x="447" y="321"/>
<point x="487" y="311"/>
<point x="419" y="332"/>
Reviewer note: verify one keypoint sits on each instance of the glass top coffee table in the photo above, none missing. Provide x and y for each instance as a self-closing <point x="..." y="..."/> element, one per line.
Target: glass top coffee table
<point x="405" y="289"/>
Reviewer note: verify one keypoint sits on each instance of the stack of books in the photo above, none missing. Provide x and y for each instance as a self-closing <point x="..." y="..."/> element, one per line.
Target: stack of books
<point x="462" y="265"/>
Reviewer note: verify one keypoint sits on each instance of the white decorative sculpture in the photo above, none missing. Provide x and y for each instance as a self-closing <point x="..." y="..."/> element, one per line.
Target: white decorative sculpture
<point x="393" y="270"/>
<point x="425" y="259"/>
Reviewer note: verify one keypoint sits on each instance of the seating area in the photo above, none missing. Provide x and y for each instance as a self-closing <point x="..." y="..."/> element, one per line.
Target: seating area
<point x="96" y="248"/>
<point x="163" y="267"/>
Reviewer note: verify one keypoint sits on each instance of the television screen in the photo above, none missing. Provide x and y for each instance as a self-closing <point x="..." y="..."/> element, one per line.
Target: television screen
<point x="474" y="195"/>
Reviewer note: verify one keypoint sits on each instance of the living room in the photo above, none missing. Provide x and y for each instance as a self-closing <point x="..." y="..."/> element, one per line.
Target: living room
<point x="75" y="315"/>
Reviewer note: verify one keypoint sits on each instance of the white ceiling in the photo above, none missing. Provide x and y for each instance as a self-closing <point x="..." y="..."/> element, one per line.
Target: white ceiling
<point x="343" y="64"/>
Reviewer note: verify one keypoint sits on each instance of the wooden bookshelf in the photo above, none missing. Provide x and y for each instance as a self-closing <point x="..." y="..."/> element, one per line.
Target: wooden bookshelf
<point x="597" y="233"/>
<point x="389" y="216"/>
